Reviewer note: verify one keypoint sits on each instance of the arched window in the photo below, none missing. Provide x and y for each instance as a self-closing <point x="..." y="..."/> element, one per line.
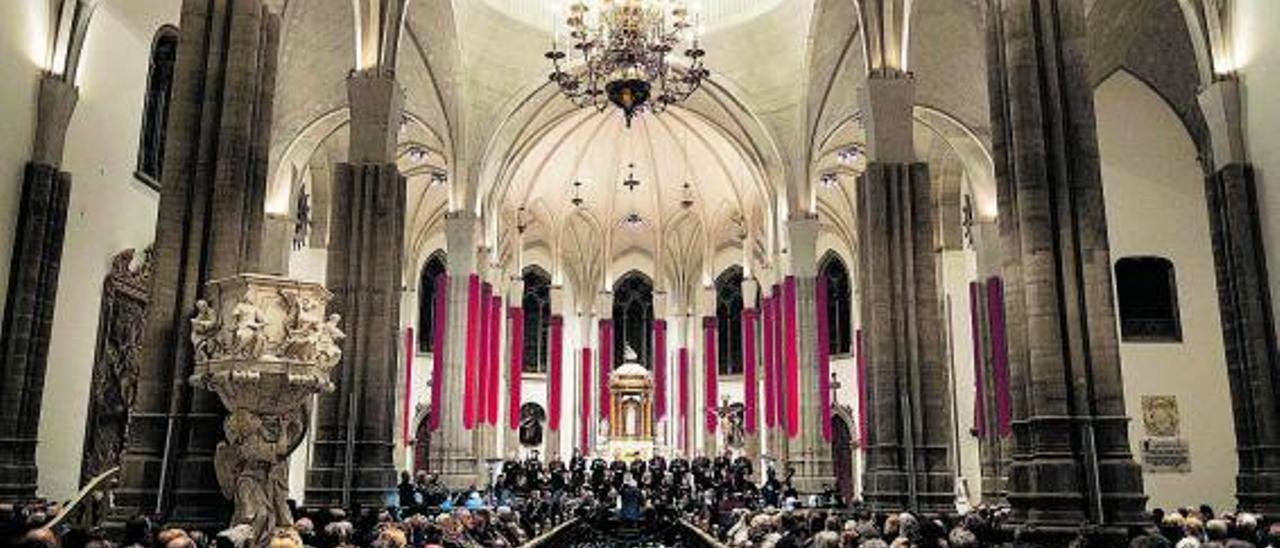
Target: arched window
<point x="1147" y="292"/>
<point x="729" y="321"/>
<point x="427" y="283"/>
<point x="155" y="114"/>
<point x="537" y="319"/>
<point x="832" y="272"/>
<point x="633" y="317"/>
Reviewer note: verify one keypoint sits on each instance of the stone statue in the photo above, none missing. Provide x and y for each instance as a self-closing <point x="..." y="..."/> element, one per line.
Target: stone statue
<point x="629" y="354"/>
<point x="253" y="465"/>
<point x="304" y="329"/>
<point x="248" y="340"/>
<point x="328" y="349"/>
<point x="204" y="331"/>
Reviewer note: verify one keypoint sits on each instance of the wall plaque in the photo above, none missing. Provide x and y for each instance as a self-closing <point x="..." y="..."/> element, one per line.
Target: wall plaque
<point x="1166" y="456"/>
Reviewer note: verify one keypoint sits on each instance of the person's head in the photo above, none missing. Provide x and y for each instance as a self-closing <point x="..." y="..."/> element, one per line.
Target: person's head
<point x="40" y="538"/>
<point x="1273" y="535"/>
<point x="1216" y="529"/>
<point x="304" y="526"/>
<point x="239" y="536"/>
<point x="283" y="537"/>
<point x="826" y="539"/>
<point x="404" y="477"/>
<point x="1247" y="524"/>
<point x="164" y="537"/>
<point x="962" y="538"/>
<point x="393" y="537"/>
<point x="1188" y="542"/>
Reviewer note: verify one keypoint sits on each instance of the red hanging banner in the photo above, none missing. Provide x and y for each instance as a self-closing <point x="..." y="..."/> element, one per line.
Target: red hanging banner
<point x="584" y="428"/>
<point x="824" y="358"/>
<point x="482" y="350"/>
<point x="770" y="375"/>
<point x="711" y="387"/>
<point x="471" y="367"/>
<point x="791" y="374"/>
<point x="556" y="373"/>
<point x="606" y="366"/>
<point x="495" y="362"/>
<point x="683" y="358"/>
<point x="1000" y="355"/>
<point x="515" y="369"/>
<point x="659" y="369"/>
<point x="437" y="349"/>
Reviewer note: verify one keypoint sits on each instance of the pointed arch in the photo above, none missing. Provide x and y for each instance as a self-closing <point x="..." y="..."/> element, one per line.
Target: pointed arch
<point x="833" y="272"/>
<point x="433" y="269"/>
<point x="633" y="317"/>
<point x="536" y="303"/>
<point x="729" y="303"/>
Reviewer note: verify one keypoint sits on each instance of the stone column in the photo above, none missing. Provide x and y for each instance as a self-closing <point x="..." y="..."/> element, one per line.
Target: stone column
<point x="354" y="441"/>
<point x="36" y="261"/>
<point x="209" y="227"/>
<point x="453" y="453"/>
<point x="908" y="381"/>
<point x="808" y="453"/>
<point x="662" y="367"/>
<point x="604" y="369"/>
<point x="1071" y="457"/>
<point x="1244" y="299"/>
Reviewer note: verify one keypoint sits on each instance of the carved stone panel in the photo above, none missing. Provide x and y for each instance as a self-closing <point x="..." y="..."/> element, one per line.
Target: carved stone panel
<point x="115" y="364"/>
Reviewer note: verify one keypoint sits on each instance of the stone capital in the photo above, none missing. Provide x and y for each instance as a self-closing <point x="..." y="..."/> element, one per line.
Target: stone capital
<point x="57" y="102"/>
<point x="377" y="103"/>
<point x="462" y="235"/>
<point x="802" y="233"/>
<point x="1220" y="103"/>
<point x="750" y="288"/>
<point x="604" y="305"/>
<point x="887" y="102"/>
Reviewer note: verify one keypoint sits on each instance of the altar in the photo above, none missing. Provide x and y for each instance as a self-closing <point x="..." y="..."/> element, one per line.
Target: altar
<point x="630" y="433"/>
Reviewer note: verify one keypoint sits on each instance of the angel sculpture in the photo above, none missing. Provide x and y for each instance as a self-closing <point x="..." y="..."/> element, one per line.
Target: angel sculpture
<point x="629" y="355"/>
<point x="328" y="349"/>
<point x="204" y="331"/>
<point x="252" y="466"/>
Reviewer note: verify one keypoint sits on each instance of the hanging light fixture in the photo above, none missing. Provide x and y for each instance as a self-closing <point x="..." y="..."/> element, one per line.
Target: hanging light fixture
<point x="631" y="182"/>
<point x="627" y="51"/>
<point x="577" y="194"/>
<point x="686" y="196"/>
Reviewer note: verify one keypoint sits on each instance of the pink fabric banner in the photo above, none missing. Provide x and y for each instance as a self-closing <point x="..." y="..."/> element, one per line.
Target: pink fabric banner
<point x="659" y="369"/>
<point x="482" y="372"/>
<point x="779" y="373"/>
<point x="683" y="358"/>
<point x="406" y="413"/>
<point x="495" y="362"/>
<point x="711" y="386"/>
<point x="1000" y="356"/>
<point x="438" y="349"/>
<point x="770" y="375"/>
<point x="556" y="374"/>
<point x="750" y="389"/>
<point x="471" y="375"/>
<point x="584" y="425"/>
<point x="862" y="389"/>
<point x="515" y="369"/>
<point x="824" y="358"/>
<point x="792" y="359"/>
<point x="979" y="390"/>
<point x="606" y="366"/>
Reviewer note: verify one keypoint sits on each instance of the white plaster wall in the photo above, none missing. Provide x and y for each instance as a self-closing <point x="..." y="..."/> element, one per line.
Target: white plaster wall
<point x="959" y="268"/>
<point x="23" y="49"/>
<point x="109" y="211"/>
<point x="1156" y="206"/>
<point x="1257" y="58"/>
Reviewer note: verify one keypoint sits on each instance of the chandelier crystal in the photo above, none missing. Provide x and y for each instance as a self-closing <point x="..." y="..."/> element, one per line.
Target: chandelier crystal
<point x="626" y="48"/>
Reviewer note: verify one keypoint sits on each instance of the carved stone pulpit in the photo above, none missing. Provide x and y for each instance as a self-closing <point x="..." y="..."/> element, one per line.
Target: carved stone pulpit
<point x="264" y="345"/>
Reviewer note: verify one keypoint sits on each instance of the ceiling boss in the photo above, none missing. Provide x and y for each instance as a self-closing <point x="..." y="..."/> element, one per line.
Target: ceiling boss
<point x="626" y="48"/>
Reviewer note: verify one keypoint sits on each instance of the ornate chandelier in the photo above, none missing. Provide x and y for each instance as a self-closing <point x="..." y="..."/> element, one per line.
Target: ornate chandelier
<point x="626" y="48"/>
